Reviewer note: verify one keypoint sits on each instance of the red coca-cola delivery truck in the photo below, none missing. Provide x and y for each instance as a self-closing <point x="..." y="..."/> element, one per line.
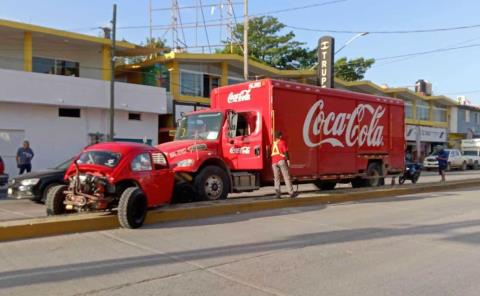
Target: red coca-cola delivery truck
<point x="334" y="136"/>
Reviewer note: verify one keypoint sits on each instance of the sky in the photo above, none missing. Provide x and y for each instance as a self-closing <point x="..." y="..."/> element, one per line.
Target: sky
<point x="451" y="72"/>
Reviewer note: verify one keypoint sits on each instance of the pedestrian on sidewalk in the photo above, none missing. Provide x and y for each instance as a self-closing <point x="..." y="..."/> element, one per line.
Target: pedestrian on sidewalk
<point x="24" y="158"/>
<point x="281" y="163"/>
<point x="442" y="159"/>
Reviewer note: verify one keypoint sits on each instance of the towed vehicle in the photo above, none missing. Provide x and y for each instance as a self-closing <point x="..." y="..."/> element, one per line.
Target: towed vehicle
<point x="127" y="177"/>
<point x="35" y="185"/>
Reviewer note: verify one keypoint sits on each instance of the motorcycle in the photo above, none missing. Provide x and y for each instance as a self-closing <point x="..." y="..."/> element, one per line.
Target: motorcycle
<point x="412" y="172"/>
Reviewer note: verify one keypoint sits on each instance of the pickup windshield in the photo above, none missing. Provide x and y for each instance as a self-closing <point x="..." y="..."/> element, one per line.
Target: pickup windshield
<point x="470" y="153"/>
<point x="204" y="126"/>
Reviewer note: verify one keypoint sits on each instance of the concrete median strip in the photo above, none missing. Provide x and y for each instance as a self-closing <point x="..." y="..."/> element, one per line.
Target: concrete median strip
<point x="40" y="227"/>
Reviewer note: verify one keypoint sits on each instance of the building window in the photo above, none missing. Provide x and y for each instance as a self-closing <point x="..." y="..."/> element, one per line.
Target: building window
<point x="467" y="115"/>
<point x="233" y="80"/>
<point x="191" y="84"/>
<point x="134" y="116"/>
<point x="408" y="109"/>
<point x="423" y="110"/>
<point x="55" y="66"/>
<point x="439" y="114"/>
<point x="69" y="112"/>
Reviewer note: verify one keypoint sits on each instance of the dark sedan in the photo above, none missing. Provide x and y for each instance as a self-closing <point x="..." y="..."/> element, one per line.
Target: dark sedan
<point x="35" y="185"/>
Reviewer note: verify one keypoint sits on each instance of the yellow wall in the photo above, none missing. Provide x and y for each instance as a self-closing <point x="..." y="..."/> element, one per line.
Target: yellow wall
<point x="27" y="51"/>
<point x="106" y="64"/>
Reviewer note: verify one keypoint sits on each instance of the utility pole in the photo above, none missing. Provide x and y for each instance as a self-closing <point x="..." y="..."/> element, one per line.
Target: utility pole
<point x="112" y="74"/>
<point x="245" y="39"/>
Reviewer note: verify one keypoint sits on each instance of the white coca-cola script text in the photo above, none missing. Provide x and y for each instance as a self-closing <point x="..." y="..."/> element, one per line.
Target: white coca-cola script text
<point x="244" y="95"/>
<point x="333" y="127"/>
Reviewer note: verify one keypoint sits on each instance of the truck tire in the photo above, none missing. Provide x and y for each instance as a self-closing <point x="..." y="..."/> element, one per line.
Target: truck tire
<point x="132" y="208"/>
<point x="211" y="183"/>
<point x="325" y="185"/>
<point x="464" y="166"/>
<point x="55" y="199"/>
<point x="374" y="174"/>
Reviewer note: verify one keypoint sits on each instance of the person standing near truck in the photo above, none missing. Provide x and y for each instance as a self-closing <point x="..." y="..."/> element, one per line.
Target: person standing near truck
<point x="24" y="158"/>
<point x="281" y="163"/>
<point x="442" y="159"/>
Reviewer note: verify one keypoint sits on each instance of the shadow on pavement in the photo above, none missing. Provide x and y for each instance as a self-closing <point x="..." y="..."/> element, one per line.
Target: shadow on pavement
<point x="66" y="272"/>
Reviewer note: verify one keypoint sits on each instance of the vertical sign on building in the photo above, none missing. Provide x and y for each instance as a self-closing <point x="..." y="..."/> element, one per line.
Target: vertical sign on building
<point x="326" y="46"/>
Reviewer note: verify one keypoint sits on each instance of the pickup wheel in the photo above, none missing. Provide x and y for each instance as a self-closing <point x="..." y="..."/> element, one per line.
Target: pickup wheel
<point x="132" y="208"/>
<point x="464" y="166"/>
<point x="475" y="165"/>
<point x="55" y="199"/>
<point x="374" y="176"/>
<point x="212" y="183"/>
<point x="325" y="185"/>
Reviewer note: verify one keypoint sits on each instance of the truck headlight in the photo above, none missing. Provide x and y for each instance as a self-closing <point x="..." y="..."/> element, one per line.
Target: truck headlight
<point x="185" y="163"/>
<point x="30" y="182"/>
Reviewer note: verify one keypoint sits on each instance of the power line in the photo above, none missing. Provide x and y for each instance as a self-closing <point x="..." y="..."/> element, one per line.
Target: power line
<point x="465" y="27"/>
<point x="427" y="52"/>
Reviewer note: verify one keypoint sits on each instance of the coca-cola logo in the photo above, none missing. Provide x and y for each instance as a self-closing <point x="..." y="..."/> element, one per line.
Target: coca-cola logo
<point x="333" y="126"/>
<point x="242" y="96"/>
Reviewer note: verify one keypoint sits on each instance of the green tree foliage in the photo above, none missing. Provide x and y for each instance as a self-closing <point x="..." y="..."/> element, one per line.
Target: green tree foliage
<point x="268" y="45"/>
<point x="352" y="70"/>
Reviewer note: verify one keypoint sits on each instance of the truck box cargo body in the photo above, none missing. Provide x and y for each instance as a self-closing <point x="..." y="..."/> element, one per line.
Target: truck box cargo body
<point x="333" y="136"/>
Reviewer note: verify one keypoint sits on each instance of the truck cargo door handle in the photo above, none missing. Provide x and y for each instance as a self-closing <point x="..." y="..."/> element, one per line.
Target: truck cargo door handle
<point x="257" y="150"/>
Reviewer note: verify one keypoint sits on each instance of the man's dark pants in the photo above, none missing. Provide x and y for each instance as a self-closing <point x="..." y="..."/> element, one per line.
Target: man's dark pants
<point x="25" y="168"/>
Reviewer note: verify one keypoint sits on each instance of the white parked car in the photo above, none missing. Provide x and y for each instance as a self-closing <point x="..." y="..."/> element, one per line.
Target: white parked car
<point x="455" y="160"/>
<point x="471" y="152"/>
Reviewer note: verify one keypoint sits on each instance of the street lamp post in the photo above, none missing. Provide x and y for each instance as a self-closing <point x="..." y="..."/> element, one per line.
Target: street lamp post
<point x="351" y="40"/>
<point x="344" y="45"/>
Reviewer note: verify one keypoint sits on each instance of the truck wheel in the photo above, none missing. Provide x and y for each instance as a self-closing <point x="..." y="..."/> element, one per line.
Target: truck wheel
<point x="55" y="199"/>
<point x="374" y="175"/>
<point x="325" y="185"/>
<point x="212" y="183"/>
<point x="132" y="208"/>
<point x="464" y="166"/>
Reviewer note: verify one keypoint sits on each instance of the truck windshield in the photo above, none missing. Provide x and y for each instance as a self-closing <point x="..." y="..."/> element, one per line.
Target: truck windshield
<point x="470" y="153"/>
<point x="104" y="158"/>
<point x="204" y="126"/>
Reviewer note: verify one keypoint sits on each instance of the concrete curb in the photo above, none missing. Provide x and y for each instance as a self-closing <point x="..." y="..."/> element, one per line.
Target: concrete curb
<point x="41" y="227"/>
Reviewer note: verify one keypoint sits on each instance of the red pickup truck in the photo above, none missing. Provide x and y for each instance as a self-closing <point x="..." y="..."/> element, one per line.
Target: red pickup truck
<point x="334" y="136"/>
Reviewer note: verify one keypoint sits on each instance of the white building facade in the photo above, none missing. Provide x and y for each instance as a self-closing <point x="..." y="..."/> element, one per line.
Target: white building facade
<point x="59" y="99"/>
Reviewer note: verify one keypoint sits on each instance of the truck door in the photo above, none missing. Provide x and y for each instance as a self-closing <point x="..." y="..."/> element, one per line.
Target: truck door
<point x="244" y="140"/>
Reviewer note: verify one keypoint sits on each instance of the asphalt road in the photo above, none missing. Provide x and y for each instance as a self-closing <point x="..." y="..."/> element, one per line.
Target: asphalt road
<point x="11" y="209"/>
<point x="424" y="244"/>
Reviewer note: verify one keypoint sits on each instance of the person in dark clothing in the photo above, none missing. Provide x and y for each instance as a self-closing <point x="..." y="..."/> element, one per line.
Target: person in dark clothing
<point x="24" y="158"/>
<point x="442" y="159"/>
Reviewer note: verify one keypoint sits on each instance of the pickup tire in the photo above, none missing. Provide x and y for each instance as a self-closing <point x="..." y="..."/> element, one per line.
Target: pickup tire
<point x="132" y="208"/>
<point x="475" y="165"/>
<point x="55" y="199"/>
<point x="325" y="185"/>
<point x="212" y="183"/>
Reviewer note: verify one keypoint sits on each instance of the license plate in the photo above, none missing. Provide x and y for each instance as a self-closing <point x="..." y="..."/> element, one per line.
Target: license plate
<point x="9" y="191"/>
